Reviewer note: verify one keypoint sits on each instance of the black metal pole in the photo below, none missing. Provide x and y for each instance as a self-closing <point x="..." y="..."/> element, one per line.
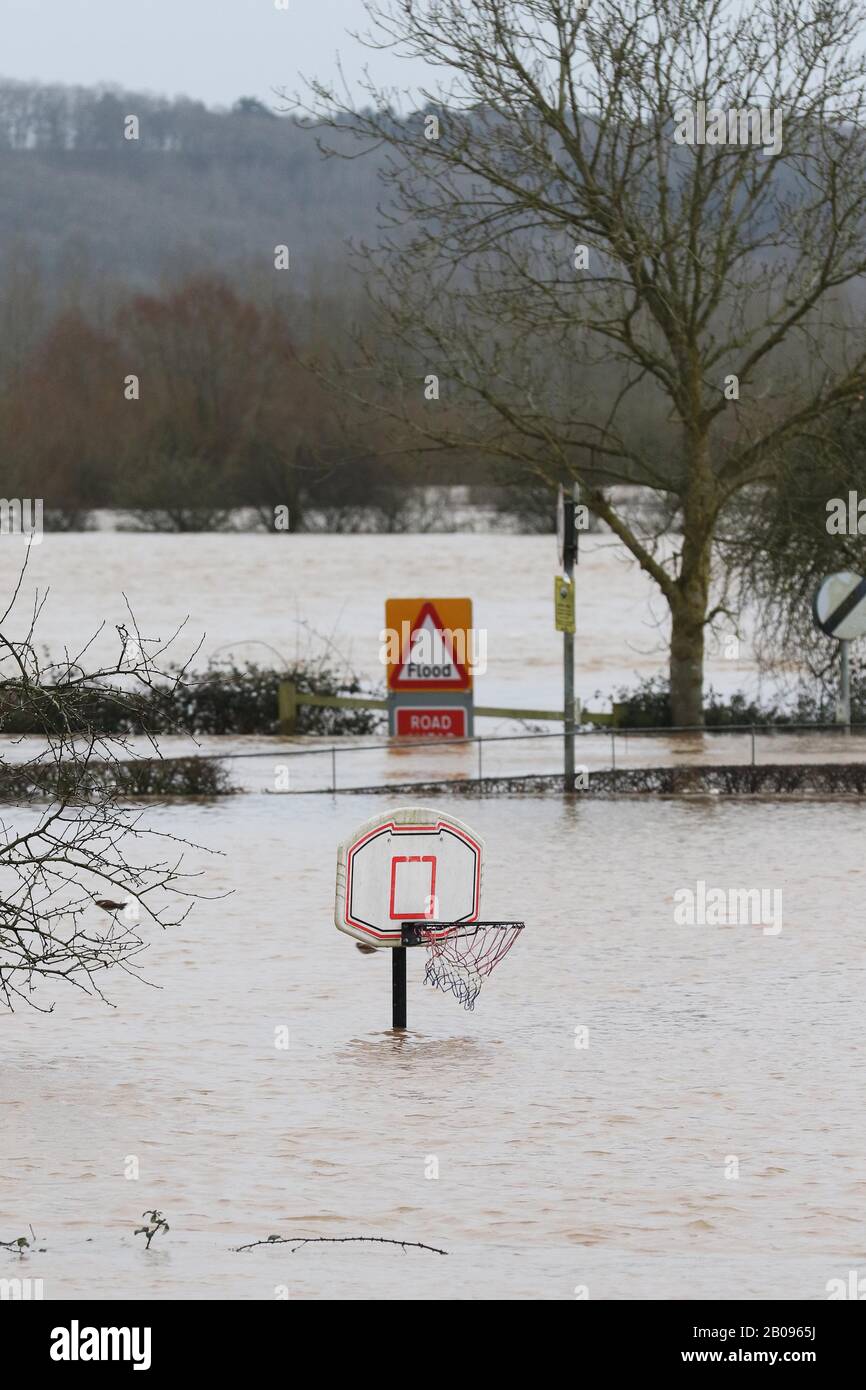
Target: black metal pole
<point x="398" y="987"/>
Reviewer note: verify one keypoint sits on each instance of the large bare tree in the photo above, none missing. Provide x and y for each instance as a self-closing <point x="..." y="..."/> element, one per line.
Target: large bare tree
<point x="712" y="315"/>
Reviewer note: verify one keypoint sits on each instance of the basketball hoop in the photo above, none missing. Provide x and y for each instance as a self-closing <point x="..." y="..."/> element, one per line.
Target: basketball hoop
<point x="460" y="955"/>
<point x="412" y="877"/>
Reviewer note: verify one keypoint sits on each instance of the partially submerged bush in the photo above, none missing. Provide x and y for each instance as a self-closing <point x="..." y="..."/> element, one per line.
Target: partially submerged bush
<point x="647" y="705"/>
<point x="74" y="782"/>
<point x="231" y="699"/>
<point x="169" y="777"/>
<point x="223" y="699"/>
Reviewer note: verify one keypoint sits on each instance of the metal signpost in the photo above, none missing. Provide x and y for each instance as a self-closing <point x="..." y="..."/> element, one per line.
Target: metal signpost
<point x="566" y="545"/>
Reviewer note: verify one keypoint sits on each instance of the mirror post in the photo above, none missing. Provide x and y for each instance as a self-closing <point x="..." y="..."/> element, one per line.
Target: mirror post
<point x="845" y="684"/>
<point x="569" y="560"/>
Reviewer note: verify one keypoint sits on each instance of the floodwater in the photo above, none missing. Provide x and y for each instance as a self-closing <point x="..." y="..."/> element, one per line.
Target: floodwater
<point x="263" y="596"/>
<point x="707" y="1141"/>
<point x="558" y="1166"/>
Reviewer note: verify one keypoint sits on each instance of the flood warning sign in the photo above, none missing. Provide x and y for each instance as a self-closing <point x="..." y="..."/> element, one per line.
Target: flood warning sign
<point x="429" y="644"/>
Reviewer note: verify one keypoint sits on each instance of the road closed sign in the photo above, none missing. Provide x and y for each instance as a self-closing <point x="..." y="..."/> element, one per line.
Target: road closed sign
<point x="428" y="649"/>
<point x="414" y="721"/>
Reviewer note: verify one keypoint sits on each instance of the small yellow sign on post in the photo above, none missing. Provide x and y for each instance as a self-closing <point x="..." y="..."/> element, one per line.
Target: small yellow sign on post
<point x="563" y="604"/>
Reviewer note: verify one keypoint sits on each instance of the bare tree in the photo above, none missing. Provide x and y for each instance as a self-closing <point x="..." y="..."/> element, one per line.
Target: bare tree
<point x="783" y="538"/>
<point x="80" y="873"/>
<point x="560" y="243"/>
<point x="213" y="365"/>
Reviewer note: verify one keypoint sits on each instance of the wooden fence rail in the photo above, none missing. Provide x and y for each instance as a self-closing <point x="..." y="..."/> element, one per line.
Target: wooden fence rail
<point x="290" y="698"/>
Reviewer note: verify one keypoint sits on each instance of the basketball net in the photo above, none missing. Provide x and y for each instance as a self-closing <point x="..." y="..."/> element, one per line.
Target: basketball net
<point x="460" y="956"/>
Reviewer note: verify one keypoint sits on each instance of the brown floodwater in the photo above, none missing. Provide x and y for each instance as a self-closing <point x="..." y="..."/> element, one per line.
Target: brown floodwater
<point x="712" y="1050"/>
<point x="559" y="1166"/>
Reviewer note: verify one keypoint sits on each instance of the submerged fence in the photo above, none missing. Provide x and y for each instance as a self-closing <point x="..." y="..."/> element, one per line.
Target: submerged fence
<point x="624" y="756"/>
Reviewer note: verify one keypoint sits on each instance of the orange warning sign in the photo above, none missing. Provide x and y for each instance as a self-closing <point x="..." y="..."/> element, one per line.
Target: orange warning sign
<point x="427" y="643"/>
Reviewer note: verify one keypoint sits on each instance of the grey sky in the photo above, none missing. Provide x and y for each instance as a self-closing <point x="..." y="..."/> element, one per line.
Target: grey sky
<point x="215" y="50"/>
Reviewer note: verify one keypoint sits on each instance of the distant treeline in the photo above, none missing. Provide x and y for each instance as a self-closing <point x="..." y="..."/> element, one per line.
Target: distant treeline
<point x="154" y="258"/>
<point x="188" y="403"/>
<point x="185" y="405"/>
<point x="196" y="188"/>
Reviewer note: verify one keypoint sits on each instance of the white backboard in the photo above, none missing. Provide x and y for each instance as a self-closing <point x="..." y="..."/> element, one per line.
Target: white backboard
<point x="407" y="865"/>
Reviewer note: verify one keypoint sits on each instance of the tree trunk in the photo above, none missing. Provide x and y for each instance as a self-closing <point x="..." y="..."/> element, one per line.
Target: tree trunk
<point x="687" y="661"/>
<point x="689" y="606"/>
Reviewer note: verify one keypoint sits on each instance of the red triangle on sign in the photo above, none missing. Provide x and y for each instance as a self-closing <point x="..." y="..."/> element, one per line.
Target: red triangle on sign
<point x="428" y="661"/>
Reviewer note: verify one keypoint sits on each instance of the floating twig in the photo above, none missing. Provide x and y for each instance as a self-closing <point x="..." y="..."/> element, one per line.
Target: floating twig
<point x="17" y="1246"/>
<point x="297" y="1241"/>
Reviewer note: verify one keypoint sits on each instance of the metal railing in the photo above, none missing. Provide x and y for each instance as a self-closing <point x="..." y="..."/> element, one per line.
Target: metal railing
<point x="614" y="736"/>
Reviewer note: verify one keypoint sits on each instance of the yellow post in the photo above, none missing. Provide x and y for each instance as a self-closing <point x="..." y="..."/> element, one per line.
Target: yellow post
<point x="288" y="706"/>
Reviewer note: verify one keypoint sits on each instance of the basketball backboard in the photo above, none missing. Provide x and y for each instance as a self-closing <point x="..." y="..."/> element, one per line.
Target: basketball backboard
<point x="407" y="865"/>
